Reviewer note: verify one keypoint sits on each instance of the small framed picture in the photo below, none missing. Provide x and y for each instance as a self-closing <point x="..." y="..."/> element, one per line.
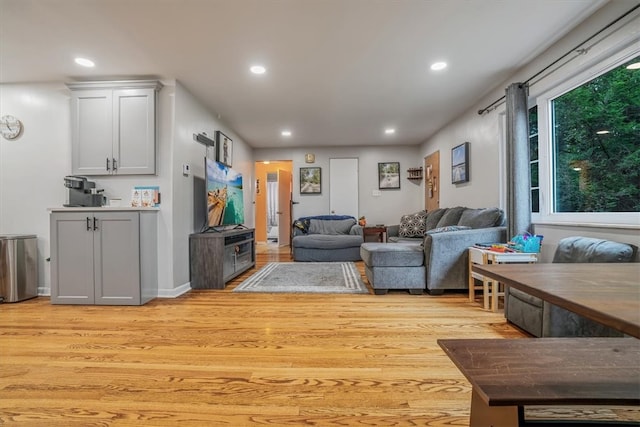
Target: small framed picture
<point x="389" y="175"/>
<point x="310" y="180"/>
<point x="460" y="163"/>
<point x="225" y="149"/>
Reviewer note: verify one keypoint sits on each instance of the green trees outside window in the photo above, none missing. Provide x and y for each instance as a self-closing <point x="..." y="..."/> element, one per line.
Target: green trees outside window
<point x="596" y="144"/>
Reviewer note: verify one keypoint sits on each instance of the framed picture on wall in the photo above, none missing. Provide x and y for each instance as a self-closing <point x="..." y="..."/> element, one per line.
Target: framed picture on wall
<point x="225" y="149"/>
<point x="460" y="163"/>
<point x="310" y="180"/>
<point x="389" y="175"/>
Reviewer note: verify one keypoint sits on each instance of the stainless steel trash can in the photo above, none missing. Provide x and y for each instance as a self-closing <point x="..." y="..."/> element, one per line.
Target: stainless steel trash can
<point x="18" y="267"/>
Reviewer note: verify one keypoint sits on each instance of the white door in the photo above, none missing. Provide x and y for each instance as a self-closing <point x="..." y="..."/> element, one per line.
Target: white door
<point x="284" y="207"/>
<point x="343" y="187"/>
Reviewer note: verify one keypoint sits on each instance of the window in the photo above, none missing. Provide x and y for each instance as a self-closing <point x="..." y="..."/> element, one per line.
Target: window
<point x="586" y="155"/>
<point x="596" y="143"/>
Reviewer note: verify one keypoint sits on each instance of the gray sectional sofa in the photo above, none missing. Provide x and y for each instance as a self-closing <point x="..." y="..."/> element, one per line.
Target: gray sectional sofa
<point x="326" y="238"/>
<point x="445" y="235"/>
<point x="543" y="319"/>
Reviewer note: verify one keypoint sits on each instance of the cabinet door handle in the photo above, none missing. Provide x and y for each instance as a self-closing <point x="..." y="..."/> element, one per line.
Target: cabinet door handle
<point x="108" y="164"/>
<point x="115" y="165"/>
<point x="88" y="224"/>
<point x="95" y="223"/>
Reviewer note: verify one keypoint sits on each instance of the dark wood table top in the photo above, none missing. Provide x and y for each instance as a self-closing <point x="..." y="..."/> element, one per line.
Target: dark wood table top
<point x="606" y="293"/>
<point x="550" y="371"/>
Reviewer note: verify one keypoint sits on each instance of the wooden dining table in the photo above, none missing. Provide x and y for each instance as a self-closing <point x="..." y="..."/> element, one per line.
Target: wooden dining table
<point x="607" y="293"/>
<point x="506" y="375"/>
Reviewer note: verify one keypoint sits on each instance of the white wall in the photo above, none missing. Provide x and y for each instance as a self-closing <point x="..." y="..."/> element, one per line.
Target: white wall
<point x="486" y="134"/>
<point x="384" y="209"/>
<point x="192" y="117"/>
<point x="33" y="167"/>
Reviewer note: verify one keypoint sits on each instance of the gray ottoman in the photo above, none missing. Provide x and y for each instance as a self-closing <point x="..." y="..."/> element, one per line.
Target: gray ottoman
<point x="394" y="266"/>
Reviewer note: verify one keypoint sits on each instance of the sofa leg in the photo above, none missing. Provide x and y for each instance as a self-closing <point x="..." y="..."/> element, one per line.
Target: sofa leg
<point x="435" y="291"/>
<point x="415" y="291"/>
<point x="380" y="291"/>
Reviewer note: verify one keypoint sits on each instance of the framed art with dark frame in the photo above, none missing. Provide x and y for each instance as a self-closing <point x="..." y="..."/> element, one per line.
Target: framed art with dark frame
<point x="310" y="180"/>
<point x="388" y="175"/>
<point x="460" y="163"/>
<point x="225" y="149"/>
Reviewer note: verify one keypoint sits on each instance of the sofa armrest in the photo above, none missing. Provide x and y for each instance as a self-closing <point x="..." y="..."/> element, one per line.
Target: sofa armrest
<point x="356" y="230"/>
<point x="446" y="255"/>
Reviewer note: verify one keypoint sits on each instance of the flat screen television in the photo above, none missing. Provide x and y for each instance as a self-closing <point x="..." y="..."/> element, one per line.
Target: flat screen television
<point x="225" y="201"/>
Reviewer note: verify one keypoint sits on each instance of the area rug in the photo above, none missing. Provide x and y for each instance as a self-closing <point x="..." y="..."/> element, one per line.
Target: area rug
<point x="305" y="277"/>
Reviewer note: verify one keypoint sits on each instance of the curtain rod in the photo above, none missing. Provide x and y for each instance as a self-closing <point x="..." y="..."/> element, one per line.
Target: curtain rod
<point x="576" y="49"/>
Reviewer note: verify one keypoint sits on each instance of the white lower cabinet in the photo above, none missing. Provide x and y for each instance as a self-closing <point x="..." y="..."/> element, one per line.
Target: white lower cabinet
<point x="107" y="258"/>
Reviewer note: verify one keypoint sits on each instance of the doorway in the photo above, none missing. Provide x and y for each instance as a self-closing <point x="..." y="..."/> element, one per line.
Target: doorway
<point x="432" y="182"/>
<point x="273" y="202"/>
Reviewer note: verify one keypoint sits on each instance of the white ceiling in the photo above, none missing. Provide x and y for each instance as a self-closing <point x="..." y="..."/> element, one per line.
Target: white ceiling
<point x="338" y="71"/>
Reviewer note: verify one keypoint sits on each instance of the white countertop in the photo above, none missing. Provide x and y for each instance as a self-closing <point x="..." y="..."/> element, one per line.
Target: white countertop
<point x="103" y="208"/>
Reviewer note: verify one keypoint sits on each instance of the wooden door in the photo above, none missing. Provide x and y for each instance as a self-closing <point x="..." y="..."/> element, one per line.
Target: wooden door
<point x="284" y="207"/>
<point x="432" y="181"/>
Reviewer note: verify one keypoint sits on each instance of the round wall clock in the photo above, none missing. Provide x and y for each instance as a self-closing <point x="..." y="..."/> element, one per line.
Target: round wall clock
<point x="10" y="127"/>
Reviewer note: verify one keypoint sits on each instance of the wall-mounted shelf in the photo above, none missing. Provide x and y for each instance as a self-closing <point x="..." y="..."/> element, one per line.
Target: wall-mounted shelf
<point x="414" y="173"/>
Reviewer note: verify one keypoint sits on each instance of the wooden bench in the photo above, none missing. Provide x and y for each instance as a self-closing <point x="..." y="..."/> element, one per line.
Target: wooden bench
<point x="507" y="374"/>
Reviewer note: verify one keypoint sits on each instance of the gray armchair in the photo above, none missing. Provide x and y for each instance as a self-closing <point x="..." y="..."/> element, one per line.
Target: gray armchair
<point x="543" y="319"/>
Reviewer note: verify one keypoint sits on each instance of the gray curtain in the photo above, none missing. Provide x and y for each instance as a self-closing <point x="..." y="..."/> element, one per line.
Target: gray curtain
<point x="518" y="178"/>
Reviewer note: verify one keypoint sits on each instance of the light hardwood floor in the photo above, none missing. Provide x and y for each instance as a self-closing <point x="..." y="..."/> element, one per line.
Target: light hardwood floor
<point x="220" y="358"/>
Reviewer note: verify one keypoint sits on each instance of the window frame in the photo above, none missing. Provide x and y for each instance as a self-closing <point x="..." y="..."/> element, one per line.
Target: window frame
<point x="545" y="151"/>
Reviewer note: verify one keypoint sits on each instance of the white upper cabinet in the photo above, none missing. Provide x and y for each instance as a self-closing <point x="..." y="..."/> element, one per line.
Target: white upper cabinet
<point x="114" y="127"/>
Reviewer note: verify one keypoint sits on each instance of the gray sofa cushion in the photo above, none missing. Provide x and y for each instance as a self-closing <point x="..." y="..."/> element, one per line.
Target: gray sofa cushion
<point x="481" y="218"/>
<point x="386" y="255"/>
<point x="451" y="217"/>
<point x="327" y="241"/>
<point x="587" y="249"/>
<point x="433" y="217"/>
<point x="331" y="227"/>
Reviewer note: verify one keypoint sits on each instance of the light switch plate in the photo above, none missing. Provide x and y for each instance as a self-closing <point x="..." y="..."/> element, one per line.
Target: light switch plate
<point x="186" y="169"/>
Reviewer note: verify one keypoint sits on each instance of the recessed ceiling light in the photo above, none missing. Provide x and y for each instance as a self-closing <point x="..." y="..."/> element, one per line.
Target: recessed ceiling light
<point x="634" y="66"/>
<point x="603" y="132"/>
<point x="85" y="62"/>
<point x="437" y="66"/>
<point x="389" y="131"/>
<point x="286" y="133"/>
<point x="258" y="69"/>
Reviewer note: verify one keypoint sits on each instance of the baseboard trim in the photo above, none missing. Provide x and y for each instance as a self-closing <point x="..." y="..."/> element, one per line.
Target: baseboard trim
<point x="162" y="293"/>
<point x="175" y="292"/>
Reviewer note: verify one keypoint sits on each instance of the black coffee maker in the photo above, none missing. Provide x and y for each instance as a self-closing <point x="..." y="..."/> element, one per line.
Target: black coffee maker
<point x="83" y="192"/>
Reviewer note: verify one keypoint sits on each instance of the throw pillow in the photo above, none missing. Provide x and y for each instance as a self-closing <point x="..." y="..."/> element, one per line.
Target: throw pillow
<point x="433" y="217"/>
<point x="302" y="225"/>
<point x="482" y="218"/>
<point x="448" y="228"/>
<point x="331" y="227"/>
<point x="450" y="217"/>
<point x="413" y="225"/>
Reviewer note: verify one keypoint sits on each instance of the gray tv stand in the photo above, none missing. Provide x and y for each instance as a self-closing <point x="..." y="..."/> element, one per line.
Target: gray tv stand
<point x="216" y="257"/>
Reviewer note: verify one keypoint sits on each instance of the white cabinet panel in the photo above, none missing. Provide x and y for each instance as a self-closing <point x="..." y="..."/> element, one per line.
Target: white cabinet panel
<point x="114" y="127"/>
<point x="107" y="258"/>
